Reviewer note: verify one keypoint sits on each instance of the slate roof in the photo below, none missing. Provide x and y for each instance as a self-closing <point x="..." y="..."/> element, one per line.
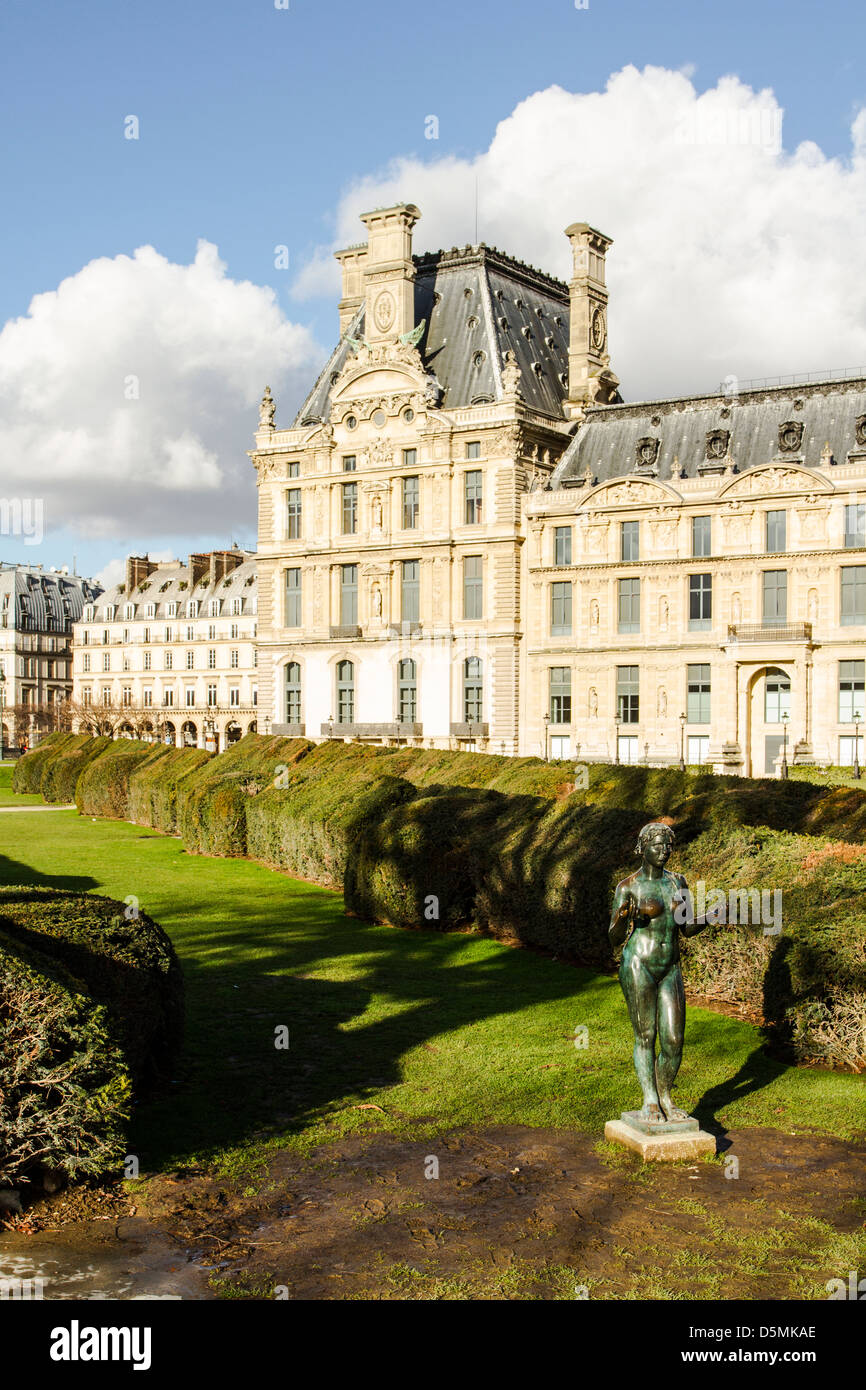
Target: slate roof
<point x="170" y="583"/>
<point x="607" y="441"/>
<point x="478" y="304"/>
<point x="44" y="601"/>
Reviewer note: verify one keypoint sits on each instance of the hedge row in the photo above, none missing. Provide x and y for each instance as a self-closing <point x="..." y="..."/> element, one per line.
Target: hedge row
<point x="91" y="1013"/>
<point x="432" y="838"/>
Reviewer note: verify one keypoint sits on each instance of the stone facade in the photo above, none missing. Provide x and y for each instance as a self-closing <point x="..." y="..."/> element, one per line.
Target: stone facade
<point x="37" y="611"/>
<point x="466" y="538"/>
<point x="170" y="653"/>
<point x="702" y="558"/>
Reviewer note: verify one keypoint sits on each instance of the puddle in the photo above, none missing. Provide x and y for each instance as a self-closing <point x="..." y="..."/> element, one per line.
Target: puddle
<point x="127" y="1260"/>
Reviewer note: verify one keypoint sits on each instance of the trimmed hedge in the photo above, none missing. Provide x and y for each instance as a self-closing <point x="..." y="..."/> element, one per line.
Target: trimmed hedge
<point x="102" y="788"/>
<point x="429" y="838"/>
<point x="60" y="774"/>
<point x="91" y="1012"/>
<point x="28" y="770"/>
<point x="154" y="787"/>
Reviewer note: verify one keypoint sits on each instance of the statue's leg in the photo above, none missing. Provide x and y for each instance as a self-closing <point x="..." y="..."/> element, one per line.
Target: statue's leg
<point x="639" y="988"/>
<point x="671" y="1026"/>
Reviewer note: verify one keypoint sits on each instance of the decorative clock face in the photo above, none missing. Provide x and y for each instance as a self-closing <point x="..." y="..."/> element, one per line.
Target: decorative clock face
<point x="598" y="330"/>
<point x="384" y="311"/>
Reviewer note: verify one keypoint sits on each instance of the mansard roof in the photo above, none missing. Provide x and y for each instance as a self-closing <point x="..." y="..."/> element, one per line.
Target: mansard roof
<point x="694" y="434"/>
<point x="477" y="304"/>
<point x="44" y="599"/>
<point x="169" y="583"/>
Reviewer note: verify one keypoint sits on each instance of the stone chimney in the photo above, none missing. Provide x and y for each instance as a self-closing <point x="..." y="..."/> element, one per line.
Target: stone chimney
<point x="222" y="562"/>
<point x="199" y="565"/>
<point x="352" y="262"/>
<point x="590" y="380"/>
<point x="138" y="567"/>
<point x="381" y="275"/>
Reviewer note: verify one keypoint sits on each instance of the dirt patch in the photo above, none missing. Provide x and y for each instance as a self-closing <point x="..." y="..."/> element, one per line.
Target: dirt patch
<point x="525" y="1213"/>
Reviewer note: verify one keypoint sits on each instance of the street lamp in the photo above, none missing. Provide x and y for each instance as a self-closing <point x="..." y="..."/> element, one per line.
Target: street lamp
<point x="682" y="743"/>
<point x="857" y="717"/>
<point x="617" y="720"/>
<point x="783" y="770"/>
<point x="267" y="723"/>
<point x="330" y="726"/>
<point x="546" y="733"/>
<point x="2" y="714"/>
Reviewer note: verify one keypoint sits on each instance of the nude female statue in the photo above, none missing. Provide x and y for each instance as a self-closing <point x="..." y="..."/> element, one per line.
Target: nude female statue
<point x="650" y="908"/>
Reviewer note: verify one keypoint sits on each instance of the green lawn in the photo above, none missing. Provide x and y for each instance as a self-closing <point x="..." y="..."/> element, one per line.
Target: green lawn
<point x="436" y="1030"/>
<point x="7" y="796"/>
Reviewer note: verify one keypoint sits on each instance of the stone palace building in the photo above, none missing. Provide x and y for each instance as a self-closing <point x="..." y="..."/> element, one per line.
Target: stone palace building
<point x="37" y="611"/>
<point x="170" y="653"/>
<point x="468" y="539"/>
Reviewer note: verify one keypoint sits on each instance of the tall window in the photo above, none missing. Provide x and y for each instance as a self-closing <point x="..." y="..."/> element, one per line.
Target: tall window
<point x="700" y="602"/>
<point x="190" y="661"/>
<point x="293" y="514"/>
<point x="293" y="693"/>
<point x="472" y="483"/>
<point x="411" y="502"/>
<point x="410" y="591"/>
<point x="233" y="658"/>
<point x="560" y="695"/>
<point x="628" y="605"/>
<point x="702" y="536"/>
<point x="350" y="463"/>
<point x="851" y="690"/>
<point x="345" y="692"/>
<point x="350" y="508"/>
<point x="560" y="609"/>
<point x="410" y="458"/>
<point x="627" y="694"/>
<point x="855" y="524"/>
<point x="349" y="595"/>
<point x="190" y="696"/>
<point x="473" y="450"/>
<point x="473" y="586"/>
<point x="211" y="696"/>
<point x="473" y="690"/>
<point x="776" y="532"/>
<point x="853" y="595"/>
<point x="698" y="694"/>
<point x="777" y="696"/>
<point x="293" y="598"/>
<point x="629" y="541"/>
<point x="211" y="659"/>
<point x="562" y="545"/>
<point x="407" y="692"/>
<point x="295" y="468"/>
<point x="775" y="596"/>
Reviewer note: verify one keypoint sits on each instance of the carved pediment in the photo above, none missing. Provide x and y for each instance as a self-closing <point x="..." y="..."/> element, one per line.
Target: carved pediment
<point x="380" y="369"/>
<point x="632" y="492"/>
<point x="774" y="478"/>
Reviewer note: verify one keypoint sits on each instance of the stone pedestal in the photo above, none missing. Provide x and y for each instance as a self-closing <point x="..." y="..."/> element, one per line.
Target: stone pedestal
<point x="660" y="1142"/>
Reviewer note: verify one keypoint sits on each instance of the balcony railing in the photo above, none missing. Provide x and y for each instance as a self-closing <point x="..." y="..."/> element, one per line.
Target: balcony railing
<point x="333" y="729"/>
<point x="769" y="632"/>
<point x="470" y="730"/>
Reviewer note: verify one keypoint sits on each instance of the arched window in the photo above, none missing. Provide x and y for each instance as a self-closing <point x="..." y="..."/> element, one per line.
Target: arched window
<point x="777" y="696"/>
<point x="293" y="693"/>
<point x="345" y="692"/>
<point x="473" y="690"/>
<point x="407" y="692"/>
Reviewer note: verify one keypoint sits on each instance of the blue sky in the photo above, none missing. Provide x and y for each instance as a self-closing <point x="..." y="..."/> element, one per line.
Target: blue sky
<point x="256" y="121"/>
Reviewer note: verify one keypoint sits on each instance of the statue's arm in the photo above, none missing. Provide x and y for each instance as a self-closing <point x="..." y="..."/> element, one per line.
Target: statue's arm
<point x="620" y="912"/>
<point x="692" y="924"/>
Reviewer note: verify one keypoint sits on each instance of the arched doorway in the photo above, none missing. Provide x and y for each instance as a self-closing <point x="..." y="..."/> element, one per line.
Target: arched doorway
<point x="170" y="736"/>
<point x="234" y="733"/>
<point x="189" y="734"/>
<point x="254" y="728"/>
<point x="769" y="720"/>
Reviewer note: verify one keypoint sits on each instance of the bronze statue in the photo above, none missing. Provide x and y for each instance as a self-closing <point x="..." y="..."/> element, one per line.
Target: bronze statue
<point x="650" y="908"/>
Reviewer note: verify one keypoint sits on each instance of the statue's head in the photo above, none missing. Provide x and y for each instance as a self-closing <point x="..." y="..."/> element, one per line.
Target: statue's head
<point x="655" y="843"/>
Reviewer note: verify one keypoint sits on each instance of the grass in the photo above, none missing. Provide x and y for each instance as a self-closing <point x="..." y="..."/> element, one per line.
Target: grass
<point x="425" y="1030"/>
<point x="8" y="797"/>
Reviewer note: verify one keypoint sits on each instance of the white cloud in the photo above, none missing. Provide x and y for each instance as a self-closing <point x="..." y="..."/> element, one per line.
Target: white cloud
<point x="731" y="255"/>
<point x="128" y="395"/>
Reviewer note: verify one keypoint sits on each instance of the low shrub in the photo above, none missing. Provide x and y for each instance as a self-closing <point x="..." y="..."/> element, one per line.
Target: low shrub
<point x="91" y="1013"/>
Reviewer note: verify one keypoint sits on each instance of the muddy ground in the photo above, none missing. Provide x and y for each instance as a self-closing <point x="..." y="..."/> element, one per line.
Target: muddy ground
<point x="514" y="1213"/>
